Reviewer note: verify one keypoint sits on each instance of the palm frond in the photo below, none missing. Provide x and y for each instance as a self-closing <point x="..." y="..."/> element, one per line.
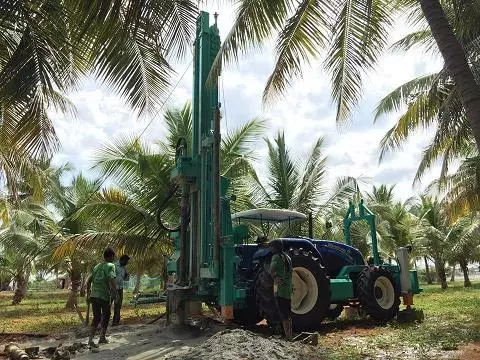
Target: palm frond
<point x="113" y="208"/>
<point x="402" y="95"/>
<point x="179" y="125"/>
<point x="420" y="113"/>
<point x="137" y="245"/>
<point x="312" y="178"/>
<point x="240" y="140"/>
<point x="283" y="173"/>
<point x="255" y="21"/>
<point x="119" y="159"/>
<point x="462" y="189"/>
<point x="420" y="38"/>
<point x="132" y="66"/>
<point x="360" y="34"/>
<point x="344" y="190"/>
<point x="301" y="39"/>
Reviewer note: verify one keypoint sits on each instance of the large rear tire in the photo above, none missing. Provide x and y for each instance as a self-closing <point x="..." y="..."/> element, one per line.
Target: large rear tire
<point x="311" y="290"/>
<point x="378" y="293"/>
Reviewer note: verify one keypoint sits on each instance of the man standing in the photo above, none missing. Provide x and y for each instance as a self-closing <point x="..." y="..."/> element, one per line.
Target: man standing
<point x="281" y="272"/>
<point x="101" y="288"/>
<point x="122" y="275"/>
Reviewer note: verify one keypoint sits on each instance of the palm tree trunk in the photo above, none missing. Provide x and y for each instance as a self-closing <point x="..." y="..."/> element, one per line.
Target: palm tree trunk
<point x="456" y="63"/>
<point x="83" y="286"/>
<point x="427" y="271"/>
<point x="452" y="277"/>
<point x="466" y="279"/>
<point x="136" y="289"/>
<point x="442" y="276"/>
<point x="21" y="282"/>
<point x="76" y="277"/>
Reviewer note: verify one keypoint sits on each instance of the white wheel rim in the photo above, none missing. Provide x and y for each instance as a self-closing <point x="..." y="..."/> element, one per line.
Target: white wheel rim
<point x="304" y="290"/>
<point x="384" y="292"/>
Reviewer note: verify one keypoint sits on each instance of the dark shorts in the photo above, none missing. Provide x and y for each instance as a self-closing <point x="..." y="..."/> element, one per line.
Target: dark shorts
<point x="283" y="307"/>
<point x="101" y="312"/>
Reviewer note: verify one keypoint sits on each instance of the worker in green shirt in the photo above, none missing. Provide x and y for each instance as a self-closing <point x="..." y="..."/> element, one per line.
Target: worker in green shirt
<point x="281" y="272"/>
<point x="101" y="291"/>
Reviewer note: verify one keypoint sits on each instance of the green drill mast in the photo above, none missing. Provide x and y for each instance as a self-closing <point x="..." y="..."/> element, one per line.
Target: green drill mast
<point x="204" y="258"/>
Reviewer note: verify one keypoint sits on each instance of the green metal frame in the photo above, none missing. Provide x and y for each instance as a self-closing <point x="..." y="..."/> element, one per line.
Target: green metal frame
<point x="210" y="257"/>
<point x="364" y="214"/>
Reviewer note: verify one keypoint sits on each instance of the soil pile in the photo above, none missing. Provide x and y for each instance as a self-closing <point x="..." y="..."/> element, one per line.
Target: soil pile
<point x="240" y="344"/>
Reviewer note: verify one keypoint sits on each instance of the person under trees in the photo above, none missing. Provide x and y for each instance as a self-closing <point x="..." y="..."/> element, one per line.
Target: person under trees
<point x="101" y="288"/>
<point x="122" y="276"/>
<point x="281" y="272"/>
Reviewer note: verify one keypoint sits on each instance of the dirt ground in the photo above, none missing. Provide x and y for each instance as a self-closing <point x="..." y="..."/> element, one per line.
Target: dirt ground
<point x="208" y="340"/>
<point x="470" y="352"/>
<point x="213" y="341"/>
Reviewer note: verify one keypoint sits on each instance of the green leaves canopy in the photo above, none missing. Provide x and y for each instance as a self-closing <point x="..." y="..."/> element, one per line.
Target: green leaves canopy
<point x="46" y="47"/>
<point x="352" y="32"/>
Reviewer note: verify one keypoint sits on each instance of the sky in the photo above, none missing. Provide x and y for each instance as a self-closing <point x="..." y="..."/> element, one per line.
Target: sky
<point x="304" y="114"/>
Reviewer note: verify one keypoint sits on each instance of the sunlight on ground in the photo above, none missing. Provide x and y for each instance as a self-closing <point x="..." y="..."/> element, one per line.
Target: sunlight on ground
<point x="452" y="319"/>
<point x="44" y="312"/>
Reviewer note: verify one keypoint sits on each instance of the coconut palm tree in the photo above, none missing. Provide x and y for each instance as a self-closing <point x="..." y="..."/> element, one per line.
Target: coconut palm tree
<point x="66" y="200"/>
<point x="432" y="233"/>
<point x="27" y="235"/>
<point x="455" y="59"/>
<point x="464" y="244"/>
<point x="48" y="47"/>
<point x="394" y="220"/>
<point x="354" y="34"/>
<point x="434" y="99"/>
<point x="300" y="186"/>
<point x="135" y="213"/>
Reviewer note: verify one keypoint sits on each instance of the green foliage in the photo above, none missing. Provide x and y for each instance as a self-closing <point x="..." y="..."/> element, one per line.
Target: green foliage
<point x="462" y="189"/>
<point x="296" y="185"/>
<point x="433" y="101"/>
<point x="351" y="33"/>
<point x="452" y="319"/>
<point x="47" y="47"/>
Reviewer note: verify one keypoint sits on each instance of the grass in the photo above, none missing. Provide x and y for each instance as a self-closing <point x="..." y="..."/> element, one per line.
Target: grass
<point x="44" y="312"/>
<point x="452" y="318"/>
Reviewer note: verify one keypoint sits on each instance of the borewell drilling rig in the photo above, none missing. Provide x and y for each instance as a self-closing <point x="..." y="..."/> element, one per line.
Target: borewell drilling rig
<point x="213" y="262"/>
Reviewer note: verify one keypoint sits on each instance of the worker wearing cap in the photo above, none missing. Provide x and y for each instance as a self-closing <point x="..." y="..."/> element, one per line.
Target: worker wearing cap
<point x="281" y="272"/>
<point x="122" y="276"/>
<point x="101" y="288"/>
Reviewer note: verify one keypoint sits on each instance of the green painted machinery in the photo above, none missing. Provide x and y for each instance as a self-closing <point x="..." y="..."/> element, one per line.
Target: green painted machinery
<point x="214" y="262"/>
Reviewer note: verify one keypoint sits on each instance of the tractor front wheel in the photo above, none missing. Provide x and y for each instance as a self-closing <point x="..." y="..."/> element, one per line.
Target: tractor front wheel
<point x="378" y="293"/>
<point x="311" y="290"/>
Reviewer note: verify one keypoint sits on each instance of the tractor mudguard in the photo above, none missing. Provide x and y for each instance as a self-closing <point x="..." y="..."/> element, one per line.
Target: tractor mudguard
<point x="347" y="252"/>
<point x="336" y="255"/>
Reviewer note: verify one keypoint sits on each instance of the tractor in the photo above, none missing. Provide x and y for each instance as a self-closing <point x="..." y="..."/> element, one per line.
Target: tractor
<point x="216" y="263"/>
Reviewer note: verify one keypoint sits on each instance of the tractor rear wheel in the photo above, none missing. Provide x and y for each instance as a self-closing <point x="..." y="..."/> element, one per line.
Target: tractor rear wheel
<point x="378" y="293"/>
<point x="311" y="290"/>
